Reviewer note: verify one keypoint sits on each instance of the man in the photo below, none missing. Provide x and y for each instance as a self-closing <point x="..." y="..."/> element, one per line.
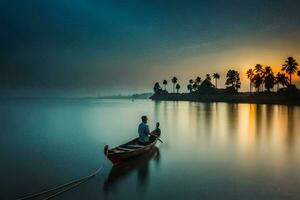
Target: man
<point x="143" y="131"/>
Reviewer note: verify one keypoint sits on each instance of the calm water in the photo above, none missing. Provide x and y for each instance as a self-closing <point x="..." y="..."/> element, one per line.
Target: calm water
<point x="210" y="150"/>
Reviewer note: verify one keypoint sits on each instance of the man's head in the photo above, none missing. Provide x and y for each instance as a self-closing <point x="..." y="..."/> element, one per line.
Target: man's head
<point x="157" y="124"/>
<point x="144" y="119"/>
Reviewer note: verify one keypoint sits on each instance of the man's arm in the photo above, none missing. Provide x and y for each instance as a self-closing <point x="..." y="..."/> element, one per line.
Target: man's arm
<point x="147" y="131"/>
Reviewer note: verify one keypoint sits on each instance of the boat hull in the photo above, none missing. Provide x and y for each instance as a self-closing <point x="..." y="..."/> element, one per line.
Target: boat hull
<point x="120" y="157"/>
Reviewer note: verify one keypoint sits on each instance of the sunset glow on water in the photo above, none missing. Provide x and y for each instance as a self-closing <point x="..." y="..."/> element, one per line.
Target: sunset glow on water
<point x="253" y="151"/>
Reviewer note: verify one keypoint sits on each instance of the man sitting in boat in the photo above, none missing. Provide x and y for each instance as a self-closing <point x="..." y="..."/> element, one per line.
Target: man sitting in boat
<point x="144" y="131"/>
<point x="156" y="133"/>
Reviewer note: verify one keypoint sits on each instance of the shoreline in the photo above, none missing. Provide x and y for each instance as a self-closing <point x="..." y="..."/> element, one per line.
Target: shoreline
<point x="271" y="98"/>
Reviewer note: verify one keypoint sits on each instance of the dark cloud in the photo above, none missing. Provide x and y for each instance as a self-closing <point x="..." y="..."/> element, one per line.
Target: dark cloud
<point x="71" y="44"/>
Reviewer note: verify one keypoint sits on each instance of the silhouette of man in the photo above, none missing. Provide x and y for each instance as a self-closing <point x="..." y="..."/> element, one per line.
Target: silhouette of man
<point x="143" y="130"/>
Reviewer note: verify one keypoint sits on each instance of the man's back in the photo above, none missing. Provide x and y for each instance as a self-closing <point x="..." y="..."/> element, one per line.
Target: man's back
<point x="143" y="132"/>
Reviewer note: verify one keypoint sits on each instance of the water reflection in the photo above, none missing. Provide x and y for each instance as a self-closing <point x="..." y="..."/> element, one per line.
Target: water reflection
<point x="218" y="150"/>
<point x="245" y="129"/>
<point x="140" y="165"/>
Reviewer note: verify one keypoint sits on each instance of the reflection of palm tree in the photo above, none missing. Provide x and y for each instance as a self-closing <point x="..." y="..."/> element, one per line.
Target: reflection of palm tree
<point x="174" y="81"/>
<point x="250" y="75"/>
<point x="177" y="87"/>
<point x="290" y="67"/>
<point x="269" y="78"/>
<point x="281" y="79"/>
<point x="216" y="76"/>
<point x="165" y="82"/>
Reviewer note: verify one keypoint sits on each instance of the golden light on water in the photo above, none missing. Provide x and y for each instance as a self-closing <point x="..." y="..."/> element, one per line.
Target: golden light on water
<point x="250" y="130"/>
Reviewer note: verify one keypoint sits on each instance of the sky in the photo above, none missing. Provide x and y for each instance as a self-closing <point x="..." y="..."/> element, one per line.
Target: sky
<point x="95" y="47"/>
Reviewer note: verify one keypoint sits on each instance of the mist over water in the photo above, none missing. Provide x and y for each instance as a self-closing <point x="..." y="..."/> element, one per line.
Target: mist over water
<point x="210" y="150"/>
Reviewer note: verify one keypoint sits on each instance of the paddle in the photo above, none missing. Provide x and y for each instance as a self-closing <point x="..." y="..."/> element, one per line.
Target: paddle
<point x="156" y="137"/>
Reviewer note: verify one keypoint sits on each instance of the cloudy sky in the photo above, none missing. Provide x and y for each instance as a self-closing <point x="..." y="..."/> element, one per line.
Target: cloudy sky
<point x="91" y="47"/>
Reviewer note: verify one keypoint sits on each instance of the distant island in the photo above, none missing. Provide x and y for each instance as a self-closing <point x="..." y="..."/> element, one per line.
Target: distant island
<point x="268" y="88"/>
<point x="133" y="96"/>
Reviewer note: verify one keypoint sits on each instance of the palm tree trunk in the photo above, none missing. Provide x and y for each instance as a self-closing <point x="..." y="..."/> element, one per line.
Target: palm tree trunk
<point x="290" y="78"/>
<point x="173" y="87"/>
<point x="216" y="83"/>
<point x="250" y="88"/>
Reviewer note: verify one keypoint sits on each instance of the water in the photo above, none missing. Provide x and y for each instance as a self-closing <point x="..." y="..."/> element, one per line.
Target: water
<point x="210" y="150"/>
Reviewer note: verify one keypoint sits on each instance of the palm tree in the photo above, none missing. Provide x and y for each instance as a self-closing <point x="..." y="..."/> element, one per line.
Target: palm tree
<point x="281" y="79"/>
<point x="165" y="82"/>
<point x="258" y="69"/>
<point x="233" y="79"/>
<point x="250" y="75"/>
<point x="190" y="87"/>
<point x="269" y="78"/>
<point x="290" y="66"/>
<point x="208" y="77"/>
<point x="174" y="81"/>
<point x="257" y="81"/>
<point x="216" y="76"/>
<point x="195" y="86"/>
<point x="177" y="87"/>
<point x="198" y="80"/>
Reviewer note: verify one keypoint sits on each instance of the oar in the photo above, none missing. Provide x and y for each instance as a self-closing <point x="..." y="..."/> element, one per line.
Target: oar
<point x="156" y="137"/>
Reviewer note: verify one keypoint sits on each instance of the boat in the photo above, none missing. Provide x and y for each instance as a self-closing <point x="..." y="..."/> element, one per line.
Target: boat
<point x="129" y="150"/>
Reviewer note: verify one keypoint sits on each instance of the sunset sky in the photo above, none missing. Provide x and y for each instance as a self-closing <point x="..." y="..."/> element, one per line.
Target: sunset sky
<point x="94" y="47"/>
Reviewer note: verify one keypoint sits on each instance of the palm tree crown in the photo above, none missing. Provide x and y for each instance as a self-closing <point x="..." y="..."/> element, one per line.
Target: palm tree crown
<point x="198" y="80"/>
<point x="281" y="79"/>
<point x="290" y="66"/>
<point x="208" y="77"/>
<point x="258" y="69"/>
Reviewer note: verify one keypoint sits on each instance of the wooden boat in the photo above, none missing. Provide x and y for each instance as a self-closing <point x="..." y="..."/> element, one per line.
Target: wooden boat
<point x="128" y="150"/>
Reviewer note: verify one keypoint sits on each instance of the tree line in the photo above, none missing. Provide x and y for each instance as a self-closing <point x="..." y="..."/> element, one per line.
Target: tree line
<point x="263" y="76"/>
<point x="260" y="77"/>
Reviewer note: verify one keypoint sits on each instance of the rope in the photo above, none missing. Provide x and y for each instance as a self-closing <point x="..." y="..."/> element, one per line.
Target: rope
<point x="76" y="182"/>
<point x="68" y="188"/>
